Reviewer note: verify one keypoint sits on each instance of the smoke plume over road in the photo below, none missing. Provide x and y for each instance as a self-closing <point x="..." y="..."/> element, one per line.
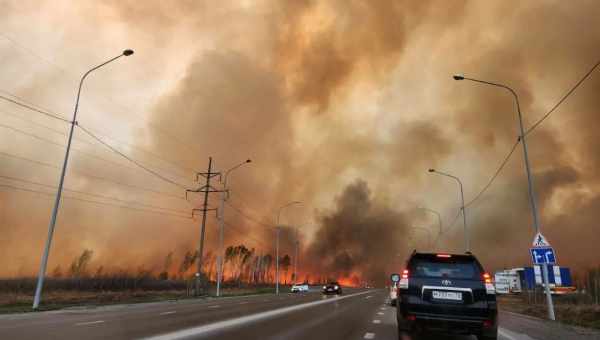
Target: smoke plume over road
<point x="343" y="105"/>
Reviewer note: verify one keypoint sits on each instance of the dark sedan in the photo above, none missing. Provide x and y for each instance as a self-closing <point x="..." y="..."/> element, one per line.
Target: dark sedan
<point x="332" y="288"/>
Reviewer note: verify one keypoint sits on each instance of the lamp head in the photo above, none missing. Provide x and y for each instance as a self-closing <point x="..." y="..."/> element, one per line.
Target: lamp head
<point x="458" y="77"/>
<point x="127" y="52"/>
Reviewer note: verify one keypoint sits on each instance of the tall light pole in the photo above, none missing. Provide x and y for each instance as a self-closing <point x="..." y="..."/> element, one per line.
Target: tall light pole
<point x="296" y="244"/>
<point x="532" y="201"/>
<point x="277" y="244"/>
<point x="439" y="216"/>
<point x="429" y="238"/>
<point x="464" y="213"/>
<point x="44" y="263"/>
<point x="224" y="197"/>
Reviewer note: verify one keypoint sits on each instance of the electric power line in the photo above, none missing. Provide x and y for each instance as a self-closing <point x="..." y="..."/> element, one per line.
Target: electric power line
<point x="22" y="103"/>
<point x="93" y="176"/>
<point x="57" y="116"/>
<point x="91" y="194"/>
<point x="92" y="201"/>
<point x="156" y="174"/>
<point x="489" y="183"/>
<point x="539" y="121"/>
<point x="68" y="71"/>
<point x="51" y="142"/>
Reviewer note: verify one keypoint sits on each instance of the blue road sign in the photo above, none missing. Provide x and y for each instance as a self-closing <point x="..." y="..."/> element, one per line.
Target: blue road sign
<point x="543" y="255"/>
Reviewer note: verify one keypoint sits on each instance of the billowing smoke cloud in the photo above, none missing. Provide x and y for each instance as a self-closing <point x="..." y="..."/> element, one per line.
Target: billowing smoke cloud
<point x="360" y="238"/>
<point x="343" y="105"/>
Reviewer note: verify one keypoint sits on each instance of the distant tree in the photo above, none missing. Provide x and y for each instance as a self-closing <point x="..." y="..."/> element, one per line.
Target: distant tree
<point x="57" y="272"/>
<point x="267" y="263"/>
<point x="187" y="262"/>
<point x="164" y="275"/>
<point x="99" y="272"/>
<point x="79" y="265"/>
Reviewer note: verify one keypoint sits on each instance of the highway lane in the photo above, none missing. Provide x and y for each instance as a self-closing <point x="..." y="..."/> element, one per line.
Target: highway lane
<point x="358" y="314"/>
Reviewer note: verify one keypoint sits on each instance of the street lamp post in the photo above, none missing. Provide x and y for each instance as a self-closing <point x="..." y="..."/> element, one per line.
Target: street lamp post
<point x="44" y="263"/>
<point x="296" y="244"/>
<point x="224" y="197"/>
<point x="464" y="213"/>
<point x="439" y="216"/>
<point x="278" y="230"/>
<point x="532" y="201"/>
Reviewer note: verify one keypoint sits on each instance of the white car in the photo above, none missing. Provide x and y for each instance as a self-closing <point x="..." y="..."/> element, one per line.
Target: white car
<point x="298" y="288"/>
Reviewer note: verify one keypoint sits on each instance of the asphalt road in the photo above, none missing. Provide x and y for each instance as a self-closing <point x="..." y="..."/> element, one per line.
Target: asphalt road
<point x="358" y="314"/>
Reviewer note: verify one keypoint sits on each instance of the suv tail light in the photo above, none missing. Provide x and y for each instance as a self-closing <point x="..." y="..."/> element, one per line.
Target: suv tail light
<point x="489" y="286"/>
<point x="403" y="284"/>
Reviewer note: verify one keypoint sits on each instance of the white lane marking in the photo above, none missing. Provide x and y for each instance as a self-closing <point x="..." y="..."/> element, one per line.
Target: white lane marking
<point x="368" y="297"/>
<point x="214" y="306"/>
<point x="89" y="323"/>
<point x="383" y="308"/>
<point x="376" y="321"/>
<point x="505" y="333"/>
<point x="243" y="302"/>
<point x="199" y="330"/>
<point x="369" y="336"/>
<point x="380" y="313"/>
<point x="167" y="313"/>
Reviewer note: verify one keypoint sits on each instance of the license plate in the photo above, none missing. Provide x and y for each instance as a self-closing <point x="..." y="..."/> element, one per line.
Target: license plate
<point x="446" y="295"/>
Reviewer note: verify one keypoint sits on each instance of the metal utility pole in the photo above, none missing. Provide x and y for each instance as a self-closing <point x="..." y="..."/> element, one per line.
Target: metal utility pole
<point x="205" y="189"/>
<point x="532" y="201"/>
<point x="464" y="212"/>
<point x="44" y="263"/>
<point x="221" y="215"/>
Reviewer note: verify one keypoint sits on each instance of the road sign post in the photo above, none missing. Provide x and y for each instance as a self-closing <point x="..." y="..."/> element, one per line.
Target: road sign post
<point x="542" y="254"/>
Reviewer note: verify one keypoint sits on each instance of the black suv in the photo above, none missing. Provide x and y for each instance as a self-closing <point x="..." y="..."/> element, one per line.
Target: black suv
<point x="446" y="292"/>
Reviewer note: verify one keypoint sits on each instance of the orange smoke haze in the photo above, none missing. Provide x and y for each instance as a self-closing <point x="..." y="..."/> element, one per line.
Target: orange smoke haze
<point x="342" y="105"/>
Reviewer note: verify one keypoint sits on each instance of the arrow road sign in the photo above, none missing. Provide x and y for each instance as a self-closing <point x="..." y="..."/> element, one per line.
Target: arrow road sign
<point x="543" y="255"/>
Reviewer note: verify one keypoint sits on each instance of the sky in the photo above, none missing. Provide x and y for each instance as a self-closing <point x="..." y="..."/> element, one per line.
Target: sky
<point x="342" y="105"/>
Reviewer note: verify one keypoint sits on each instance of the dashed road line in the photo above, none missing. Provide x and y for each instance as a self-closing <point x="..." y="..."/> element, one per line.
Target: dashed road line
<point x="505" y="334"/>
<point x="214" y="306"/>
<point x="89" y="323"/>
<point x="168" y="312"/>
<point x="369" y="336"/>
<point x="236" y="322"/>
<point x="380" y="313"/>
<point x="376" y="321"/>
<point x="368" y="297"/>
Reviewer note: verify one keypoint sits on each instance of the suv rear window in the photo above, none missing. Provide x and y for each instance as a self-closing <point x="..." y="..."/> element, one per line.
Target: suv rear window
<point x="444" y="268"/>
